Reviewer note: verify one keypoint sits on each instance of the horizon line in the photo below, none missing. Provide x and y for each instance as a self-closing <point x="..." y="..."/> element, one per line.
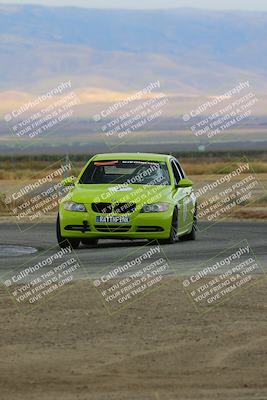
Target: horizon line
<point x="131" y="8"/>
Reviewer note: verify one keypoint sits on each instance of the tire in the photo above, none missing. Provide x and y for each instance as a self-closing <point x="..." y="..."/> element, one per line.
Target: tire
<point x="65" y="242"/>
<point x="173" y="238"/>
<point x="90" y="242"/>
<point x="192" y="234"/>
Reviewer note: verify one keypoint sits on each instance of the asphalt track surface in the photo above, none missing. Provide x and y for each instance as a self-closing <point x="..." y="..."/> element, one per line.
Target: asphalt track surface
<point x="184" y="257"/>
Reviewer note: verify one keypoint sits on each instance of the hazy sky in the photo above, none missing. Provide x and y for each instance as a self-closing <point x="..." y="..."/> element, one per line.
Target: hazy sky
<point x="212" y="4"/>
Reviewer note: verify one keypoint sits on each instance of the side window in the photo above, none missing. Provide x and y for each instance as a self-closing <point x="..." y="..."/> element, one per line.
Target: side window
<point x="175" y="173"/>
<point x="180" y="169"/>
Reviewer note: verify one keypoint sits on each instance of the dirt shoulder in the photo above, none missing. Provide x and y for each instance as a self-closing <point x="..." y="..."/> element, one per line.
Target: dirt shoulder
<point x="157" y="348"/>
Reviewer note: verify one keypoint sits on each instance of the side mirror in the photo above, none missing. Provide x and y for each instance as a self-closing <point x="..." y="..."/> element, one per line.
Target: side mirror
<point x="70" y="181"/>
<point x="184" y="183"/>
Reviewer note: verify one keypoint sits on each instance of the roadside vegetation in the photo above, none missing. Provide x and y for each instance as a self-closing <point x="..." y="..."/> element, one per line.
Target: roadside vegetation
<point x="198" y="166"/>
<point x="17" y="167"/>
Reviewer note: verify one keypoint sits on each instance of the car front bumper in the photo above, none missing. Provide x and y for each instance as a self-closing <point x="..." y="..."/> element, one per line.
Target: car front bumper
<point x="141" y="225"/>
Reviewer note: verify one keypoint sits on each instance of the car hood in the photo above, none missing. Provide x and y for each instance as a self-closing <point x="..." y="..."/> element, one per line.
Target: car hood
<point x="130" y="193"/>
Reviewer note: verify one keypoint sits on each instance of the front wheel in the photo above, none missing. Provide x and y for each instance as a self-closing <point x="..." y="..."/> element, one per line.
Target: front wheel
<point x="192" y="234"/>
<point x="65" y="242"/>
<point x="173" y="238"/>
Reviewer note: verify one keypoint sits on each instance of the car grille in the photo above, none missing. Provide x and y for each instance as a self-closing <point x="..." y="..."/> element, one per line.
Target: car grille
<point x="149" y="229"/>
<point x="81" y="228"/>
<point x="112" y="228"/>
<point x="102" y="208"/>
<point x="118" y="208"/>
<point x="124" y="208"/>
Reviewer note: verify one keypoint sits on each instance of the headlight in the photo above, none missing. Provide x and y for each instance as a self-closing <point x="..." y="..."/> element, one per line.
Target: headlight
<point x="154" y="208"/>
<point x="70" y="206"/>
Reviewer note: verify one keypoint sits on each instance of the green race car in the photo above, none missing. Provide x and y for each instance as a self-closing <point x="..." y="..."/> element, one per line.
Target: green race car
<point x="128" y="196"/>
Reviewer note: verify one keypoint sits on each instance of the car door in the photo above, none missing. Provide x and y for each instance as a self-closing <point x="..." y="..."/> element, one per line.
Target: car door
<point x="183" y="199"/>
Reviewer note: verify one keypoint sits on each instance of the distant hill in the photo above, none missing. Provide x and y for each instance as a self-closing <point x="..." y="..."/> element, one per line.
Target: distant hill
<point x="189" y="51"/>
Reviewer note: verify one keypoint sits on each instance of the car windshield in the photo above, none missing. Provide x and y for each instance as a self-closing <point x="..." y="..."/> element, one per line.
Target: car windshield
<point x="126" y="172"/>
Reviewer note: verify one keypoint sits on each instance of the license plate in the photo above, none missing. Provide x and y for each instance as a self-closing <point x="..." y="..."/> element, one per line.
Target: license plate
<point x="112" y="219"/>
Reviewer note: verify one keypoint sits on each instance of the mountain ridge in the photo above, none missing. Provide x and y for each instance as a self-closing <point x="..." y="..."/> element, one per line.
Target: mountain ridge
<point x="197" y="51"/>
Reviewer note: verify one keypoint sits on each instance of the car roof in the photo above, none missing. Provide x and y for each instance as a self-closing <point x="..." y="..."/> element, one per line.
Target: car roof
<point x="132" y="156"/>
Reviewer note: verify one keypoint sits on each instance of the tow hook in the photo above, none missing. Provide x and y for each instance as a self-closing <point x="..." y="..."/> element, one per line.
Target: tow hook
<point x="85" y="226"/>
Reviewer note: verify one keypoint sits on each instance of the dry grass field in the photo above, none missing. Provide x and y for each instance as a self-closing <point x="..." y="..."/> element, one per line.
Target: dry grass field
<point x="200" y="170"/>
<point x="159" y="348"/>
